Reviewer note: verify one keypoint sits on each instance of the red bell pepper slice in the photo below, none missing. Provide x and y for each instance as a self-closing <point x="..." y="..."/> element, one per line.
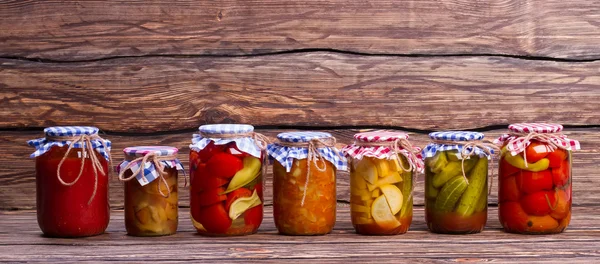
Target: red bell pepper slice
<point x="212" y="196"/>
<point x="224" y="165"/>
<point x="214" y="218"/>
<point x="254" y="216"/>
<point x="209" y="151"/>
<point x="234" y="195"/>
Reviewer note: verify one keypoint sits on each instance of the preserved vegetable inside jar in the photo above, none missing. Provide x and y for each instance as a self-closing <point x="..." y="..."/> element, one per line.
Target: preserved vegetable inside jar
<point x="304" y="182"/>
<point x="151" y="194"/>
<point x="72" y="200"/>
<point x="226" y="192"/>
<point x="317" y="214"/>
<point x="381" y="184"/>
<point x="456" y="182"/>
<point x="535" y="191"/>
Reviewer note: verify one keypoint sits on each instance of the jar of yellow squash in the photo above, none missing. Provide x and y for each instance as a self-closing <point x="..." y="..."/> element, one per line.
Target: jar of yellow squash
<point x="151" y="199"/>
<point x="382" y="164"/>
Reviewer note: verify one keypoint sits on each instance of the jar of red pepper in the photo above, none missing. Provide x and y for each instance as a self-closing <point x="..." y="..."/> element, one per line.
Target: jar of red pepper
<point x="535" y="179"/>
<point x="71" y="181"/>
<point x="227" y="166"/>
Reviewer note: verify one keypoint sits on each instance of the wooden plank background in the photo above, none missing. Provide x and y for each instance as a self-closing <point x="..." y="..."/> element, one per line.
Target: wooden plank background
<point x="151" y="72"/>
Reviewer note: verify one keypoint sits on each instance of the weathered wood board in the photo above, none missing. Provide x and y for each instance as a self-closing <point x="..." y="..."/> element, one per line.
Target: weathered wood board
<point x="579" y="244"/>
<point x="143" y="95"/>
<point x="17" y="175"/>
<point x="80" y="30"/>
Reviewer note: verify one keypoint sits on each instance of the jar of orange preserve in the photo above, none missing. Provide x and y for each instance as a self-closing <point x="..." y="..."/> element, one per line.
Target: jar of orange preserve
<point x="304" y="189"/>
<point x="382" y="164"/>
<point x="71" y="169"/>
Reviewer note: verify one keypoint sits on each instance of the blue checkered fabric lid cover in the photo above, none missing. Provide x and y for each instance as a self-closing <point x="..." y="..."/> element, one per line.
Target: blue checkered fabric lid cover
<point x="458" y="136"/>
<point x="245" y="144"/>
<point x="42" y="145"/>
<point x="286" y="155"/>
<point x="150" y="174"/>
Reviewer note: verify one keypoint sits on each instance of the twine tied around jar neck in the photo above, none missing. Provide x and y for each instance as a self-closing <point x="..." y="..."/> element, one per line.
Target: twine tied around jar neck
<point x="314" y="156"/>
<point x="87" y="147"/>
<point x="396" y="146"/>
<point x="260" y="140"/>
<point x="160" y="168"/>
<point x="521" y="139"/>
<point x="468" y="150"/>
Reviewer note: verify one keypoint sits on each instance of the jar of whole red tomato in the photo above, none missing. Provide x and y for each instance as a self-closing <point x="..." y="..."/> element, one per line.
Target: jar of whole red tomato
<point x="150" y="176"/>
<point x="456" y="181"/>
<point x="227" y="166"/>
<point x="534" y="195"/>
<point x="382" y="164"/>
<point x="71" y="167"/>
<point x="304" y="182"/>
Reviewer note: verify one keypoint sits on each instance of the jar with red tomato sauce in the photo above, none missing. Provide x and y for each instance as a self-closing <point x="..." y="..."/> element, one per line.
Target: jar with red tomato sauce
<point x="456" y="181"/>
<point x="150" y="176"/>
<point x="71" y="165"/>
<point x="534" y="195"/>
<point x="382" y="164"/>
<point x="227" y="166"/>
<point x="304" y="182"/>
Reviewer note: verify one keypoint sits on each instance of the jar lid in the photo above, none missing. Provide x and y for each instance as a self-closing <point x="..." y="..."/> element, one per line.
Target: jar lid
<point x="380" y="136"/>
<point x="226" y="128"/>
<point x="65" y="131"/>
<point x="535" y="127"/>
<point x="302" y="136"/>
<point x="456" y="135"/>
<point x="143" y="150"/>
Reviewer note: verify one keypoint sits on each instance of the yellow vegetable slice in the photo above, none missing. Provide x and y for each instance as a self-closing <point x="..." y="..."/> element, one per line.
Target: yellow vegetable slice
<point x="391" y="179"/>
<point x="375" y="193"/>
<point x="363" y="221"/>
<point x="395" y="164"/>
<point x="393" y="196"/>
<point x="359" y="208"/>
<point x="380" y="210"/>
<point x="367" y="169"/>
<point x="358" y="181"/>
<point x="383" y="167"/>
<point x="247" y="174"/>
<point x="239" y="206"/>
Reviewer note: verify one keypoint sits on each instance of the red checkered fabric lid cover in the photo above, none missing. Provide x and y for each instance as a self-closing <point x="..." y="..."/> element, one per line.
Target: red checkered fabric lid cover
<point x="518" y="141"/>
<point x="356" y="151"/>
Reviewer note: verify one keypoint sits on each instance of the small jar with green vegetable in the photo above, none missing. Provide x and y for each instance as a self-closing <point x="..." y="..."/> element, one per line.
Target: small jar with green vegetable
<point x="456" y="182"/>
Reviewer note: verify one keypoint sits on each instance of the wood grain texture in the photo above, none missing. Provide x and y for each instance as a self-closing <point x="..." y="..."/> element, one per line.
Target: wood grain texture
<point x="17" y="175"/>
<point x="315" y="89"/>
<point x="76" y="30"/>
<point x="21" y="240"/>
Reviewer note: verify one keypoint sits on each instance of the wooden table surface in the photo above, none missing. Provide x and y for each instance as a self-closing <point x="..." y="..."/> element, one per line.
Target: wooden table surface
<point x="21" y="240"/>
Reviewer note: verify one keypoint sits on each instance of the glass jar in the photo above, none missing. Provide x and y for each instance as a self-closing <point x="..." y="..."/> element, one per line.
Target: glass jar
<point x="151" y="193"/>
<point x="381" y="185"/>
<point x="227" y="169"/>
<point x="72" y="200"/>
<point x="304" y="190"/>
<point x="534" y="195"/>
<point x="456" y="182"/>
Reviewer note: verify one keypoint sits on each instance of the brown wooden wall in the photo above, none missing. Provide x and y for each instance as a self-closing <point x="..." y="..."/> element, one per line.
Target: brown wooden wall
<point x="151" y="72"/>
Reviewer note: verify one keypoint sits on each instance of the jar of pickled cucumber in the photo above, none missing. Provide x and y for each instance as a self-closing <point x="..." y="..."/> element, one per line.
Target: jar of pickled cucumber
<point x="304" y="182"/>
<point x="71" y="168"/>
<point x="151" y="196"/>
<point x="534" y="195"/>
<point x="227" y="165"/>
<point x="456" y="181"/>
<point x="382" y="164"/>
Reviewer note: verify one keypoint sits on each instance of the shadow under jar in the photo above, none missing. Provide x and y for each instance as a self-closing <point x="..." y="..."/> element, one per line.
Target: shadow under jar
<point x="71" y="181"/>
<point x="535" y="182"/>
<point x="456" y="184"/>
<point x="304" y="190"/>
<point x="151" y="194"/>
<point x="382" y="164"/>
<point x="226" y="169"/>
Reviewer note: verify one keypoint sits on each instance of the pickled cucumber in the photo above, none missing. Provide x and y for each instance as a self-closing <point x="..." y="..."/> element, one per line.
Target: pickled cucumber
<point x="452" y="169"/>
<point x="437" y="162"/>
<point x="407" y="188"/>
<point x="450" y="193"/>
<point x="477" y="185"/>
<point x="481" y="203"/>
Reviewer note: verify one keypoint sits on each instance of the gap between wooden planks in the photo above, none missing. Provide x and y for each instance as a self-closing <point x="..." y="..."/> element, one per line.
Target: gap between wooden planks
<point x="17" y="175"/>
